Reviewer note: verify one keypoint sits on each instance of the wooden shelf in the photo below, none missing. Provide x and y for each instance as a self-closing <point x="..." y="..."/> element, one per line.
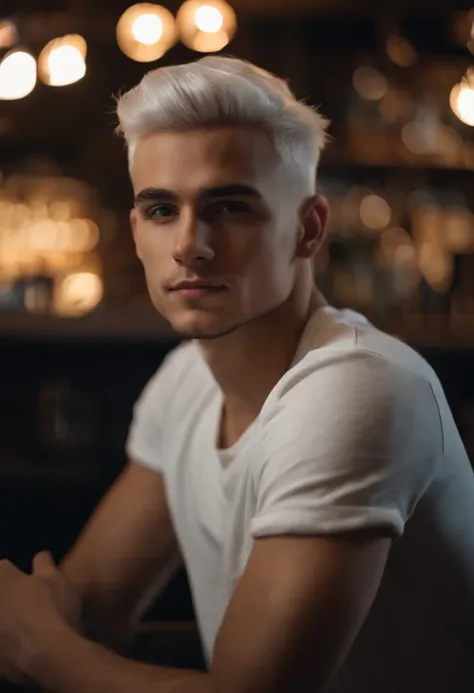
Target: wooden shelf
<point x="431" y="332"/>
<point x="339" y="155"/>
<point x="144" y="324"/>
<point x="117" y="323"/>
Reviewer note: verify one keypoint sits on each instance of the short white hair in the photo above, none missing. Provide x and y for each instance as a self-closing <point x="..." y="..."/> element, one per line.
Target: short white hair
<point x="219" y="91"/>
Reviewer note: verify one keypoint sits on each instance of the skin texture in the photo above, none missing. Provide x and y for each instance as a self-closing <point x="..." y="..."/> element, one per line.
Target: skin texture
<point x="124" y="557"/>
<point x="301" y="600"/>
<point x="251" y="242"/>
<point x="259" y="245"/>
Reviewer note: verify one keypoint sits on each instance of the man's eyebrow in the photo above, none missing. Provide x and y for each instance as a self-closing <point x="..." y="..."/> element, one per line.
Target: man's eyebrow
<point x="232" y="190"/>
<point x="153" y="194"/>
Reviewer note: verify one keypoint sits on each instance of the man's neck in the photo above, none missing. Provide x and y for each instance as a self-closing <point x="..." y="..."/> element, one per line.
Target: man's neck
<point x="249" y="362"/>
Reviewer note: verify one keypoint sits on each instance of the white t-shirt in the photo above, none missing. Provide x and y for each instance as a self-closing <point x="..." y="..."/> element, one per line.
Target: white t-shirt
<point x="356" y="434"/>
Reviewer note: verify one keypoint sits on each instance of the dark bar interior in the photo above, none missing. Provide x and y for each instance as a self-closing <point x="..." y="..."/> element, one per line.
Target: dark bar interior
<point x="78" y="336"/>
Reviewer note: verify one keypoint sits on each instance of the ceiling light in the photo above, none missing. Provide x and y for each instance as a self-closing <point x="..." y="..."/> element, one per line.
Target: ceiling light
<point x="62" y="60"/>
<point x="8" y="34"/>
<point x="145" y="32"/>
<point x="17" y="75"/>
<point x="461" y="99"/>
<point x="206" y="26"/>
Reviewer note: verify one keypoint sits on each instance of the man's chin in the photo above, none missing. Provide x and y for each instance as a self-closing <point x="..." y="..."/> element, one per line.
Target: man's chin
<point x="203" y="332"/>
<point x="204" y="335"/>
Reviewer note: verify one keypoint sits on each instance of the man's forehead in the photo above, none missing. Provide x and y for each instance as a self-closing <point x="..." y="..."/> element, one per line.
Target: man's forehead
<point x="199" y="160"/>
<point x="228" y="147"/>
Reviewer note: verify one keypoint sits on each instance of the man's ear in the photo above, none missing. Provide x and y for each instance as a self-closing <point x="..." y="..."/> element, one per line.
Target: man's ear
<point x="313" y="221"/>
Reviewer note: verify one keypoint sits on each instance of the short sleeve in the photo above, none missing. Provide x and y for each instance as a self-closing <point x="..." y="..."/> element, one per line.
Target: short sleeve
<point x="352" y="443"/>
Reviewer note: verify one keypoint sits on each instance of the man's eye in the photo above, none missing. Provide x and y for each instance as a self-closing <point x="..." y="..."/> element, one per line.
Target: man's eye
<point x="230" y="207"/>
<point x="160" y="212"/>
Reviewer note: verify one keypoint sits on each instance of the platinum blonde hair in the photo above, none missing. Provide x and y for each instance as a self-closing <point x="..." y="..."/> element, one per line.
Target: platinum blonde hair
<point x="218" y="91"/>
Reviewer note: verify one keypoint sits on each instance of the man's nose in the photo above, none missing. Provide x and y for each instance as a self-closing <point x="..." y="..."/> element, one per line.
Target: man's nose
<point x="192" y="241"/>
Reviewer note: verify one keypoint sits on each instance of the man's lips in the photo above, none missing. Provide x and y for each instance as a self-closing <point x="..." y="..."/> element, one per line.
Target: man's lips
<point x="197" y="285"/>
<point x="186" y="284"/>
<point x="197" y="289"/>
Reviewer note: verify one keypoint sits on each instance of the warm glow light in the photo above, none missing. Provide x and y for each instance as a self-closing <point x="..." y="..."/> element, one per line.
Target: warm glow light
<point x="208" y="19"/>
<point x="206" y="26"/>
<point x="369" y="83"/>
<point x="17" y="75"/>
<point x="436" y="265"/>
<point x="8" y="34"/>
<point x="147" y="29"/>
<point x="426" y="135"/>
<point x="66" y="66"/>
<point x="62" y="61"/>
<point x="415" y="139"/>
<point x="48" y="226"/>
<point x="395" y="106"/>
<point x="375" y="212"/>
<point x="396" y="249"/>
<point x="401" y="51"/>
<point x="458" y="223"/>
<point x="78" y="293"/>
<point x="145" y="32"/>
<point x="36" y="236"/>
<point x="461" y="100"/>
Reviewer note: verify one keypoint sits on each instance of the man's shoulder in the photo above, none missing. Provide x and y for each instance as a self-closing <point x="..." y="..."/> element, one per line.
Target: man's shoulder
<point x="354" y="363"/>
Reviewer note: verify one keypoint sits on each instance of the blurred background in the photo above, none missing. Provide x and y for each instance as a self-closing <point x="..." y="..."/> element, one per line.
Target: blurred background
<point x="78" y="338"/>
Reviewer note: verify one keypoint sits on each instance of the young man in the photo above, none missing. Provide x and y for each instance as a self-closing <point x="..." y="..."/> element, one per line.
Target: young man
<point x="304" y="465"/>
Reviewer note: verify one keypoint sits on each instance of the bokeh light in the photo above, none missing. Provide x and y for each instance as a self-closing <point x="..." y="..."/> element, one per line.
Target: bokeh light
<point x="145" y="32"/>
<point x="17" y="75"/>
<point x="206" y="26"/>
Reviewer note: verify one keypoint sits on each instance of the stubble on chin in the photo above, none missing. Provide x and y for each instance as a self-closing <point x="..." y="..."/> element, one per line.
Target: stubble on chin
<point x="206" y="334"/>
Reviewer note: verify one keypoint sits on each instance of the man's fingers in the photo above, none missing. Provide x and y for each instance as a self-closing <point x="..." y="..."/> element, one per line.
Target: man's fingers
<point x="7" y="567"/>
<point x="43" y="564"/>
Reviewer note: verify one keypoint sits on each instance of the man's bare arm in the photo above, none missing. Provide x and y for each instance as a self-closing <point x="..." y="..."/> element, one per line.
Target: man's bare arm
<point x="125" y="555"/>
<point x="292" y="620"/>
<point x="297" y="611"/>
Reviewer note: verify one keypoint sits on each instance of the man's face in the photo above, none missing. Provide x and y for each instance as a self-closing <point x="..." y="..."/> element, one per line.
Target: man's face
<point x="211" y="207"/>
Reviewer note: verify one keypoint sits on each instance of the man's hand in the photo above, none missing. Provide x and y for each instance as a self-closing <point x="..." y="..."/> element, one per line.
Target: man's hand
<point x="295" y="613"/>
<point x="33" y="610"/>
